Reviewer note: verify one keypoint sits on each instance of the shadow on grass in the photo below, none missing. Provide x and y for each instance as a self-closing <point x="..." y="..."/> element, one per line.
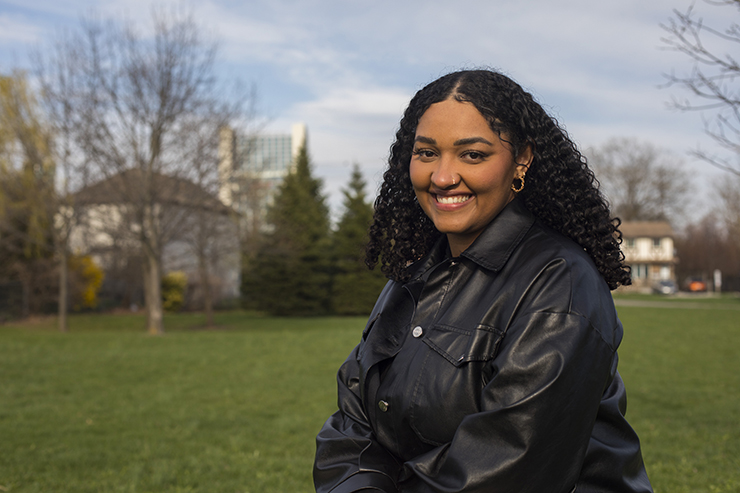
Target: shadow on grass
<point x="237" y="320"/>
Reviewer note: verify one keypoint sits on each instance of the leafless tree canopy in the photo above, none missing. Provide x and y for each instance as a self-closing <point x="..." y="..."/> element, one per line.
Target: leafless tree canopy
<point x="712" y="79"/>
<point x="713" y="242"/>
<point x="728" y="195"/>
<point x="641" y="182"/>
<point x="145" y="114"/>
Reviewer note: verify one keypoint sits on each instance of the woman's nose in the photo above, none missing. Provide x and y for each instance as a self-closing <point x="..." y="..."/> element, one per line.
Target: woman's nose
<point x="444" y="176"/>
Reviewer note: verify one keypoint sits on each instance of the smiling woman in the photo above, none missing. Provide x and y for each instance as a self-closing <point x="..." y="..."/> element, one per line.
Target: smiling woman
<point x="461" y="171"/>
<point x="489" y="362"/>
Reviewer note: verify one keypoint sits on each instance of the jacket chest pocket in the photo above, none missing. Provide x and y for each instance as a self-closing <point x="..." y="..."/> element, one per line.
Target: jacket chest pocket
<point x="460" y="346"/>
<point x="450" y="380"/>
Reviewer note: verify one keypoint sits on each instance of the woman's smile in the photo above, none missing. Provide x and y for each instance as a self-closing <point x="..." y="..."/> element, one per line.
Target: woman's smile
<point x="444" y="200"/>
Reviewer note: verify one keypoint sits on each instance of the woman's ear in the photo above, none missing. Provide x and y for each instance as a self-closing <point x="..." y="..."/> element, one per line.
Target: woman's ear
<point x="525" y="157"/>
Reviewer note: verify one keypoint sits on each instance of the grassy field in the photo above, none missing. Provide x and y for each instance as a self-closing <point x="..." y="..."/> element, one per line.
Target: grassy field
<point x="108" y="408"/>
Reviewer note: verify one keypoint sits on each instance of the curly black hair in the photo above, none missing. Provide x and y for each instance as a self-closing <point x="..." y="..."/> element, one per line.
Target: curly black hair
<point x="560" y="190"/>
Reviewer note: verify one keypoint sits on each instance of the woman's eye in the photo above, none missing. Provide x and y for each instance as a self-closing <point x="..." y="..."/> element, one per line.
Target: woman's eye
<point x="475" y="155"/>
<point x="424" y="153"/>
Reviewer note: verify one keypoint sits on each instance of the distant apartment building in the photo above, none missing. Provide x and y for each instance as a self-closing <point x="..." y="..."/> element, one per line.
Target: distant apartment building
<point x="648" y="250"/>
<point x="251" y="167"/>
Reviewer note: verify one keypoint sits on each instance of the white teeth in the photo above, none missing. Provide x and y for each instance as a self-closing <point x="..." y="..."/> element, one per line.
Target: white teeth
<point x="454" y="199"/>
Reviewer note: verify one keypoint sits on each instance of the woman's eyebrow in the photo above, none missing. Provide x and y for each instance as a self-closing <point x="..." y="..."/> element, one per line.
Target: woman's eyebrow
<point x="471" y="140"/>
<point x="461" y="142"/>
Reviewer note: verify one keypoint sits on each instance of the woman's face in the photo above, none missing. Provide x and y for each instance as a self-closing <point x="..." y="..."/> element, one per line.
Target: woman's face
<point x="462" y="171"/>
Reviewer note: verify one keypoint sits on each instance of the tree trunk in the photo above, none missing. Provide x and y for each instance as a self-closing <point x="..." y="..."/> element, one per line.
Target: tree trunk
<point x="63" y="275"/>
<point x="153" y="293"/>
<point x="205" y="284"/>
<point x="25" y="296"/>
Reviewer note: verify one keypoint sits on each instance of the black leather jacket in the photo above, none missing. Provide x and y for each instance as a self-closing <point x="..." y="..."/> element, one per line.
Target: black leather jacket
<point x="492" y="372"/>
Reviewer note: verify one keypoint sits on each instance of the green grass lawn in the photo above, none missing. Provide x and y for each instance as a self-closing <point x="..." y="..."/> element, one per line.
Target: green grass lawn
<point x="682" y="372"/>
<point x="108" y="408"/>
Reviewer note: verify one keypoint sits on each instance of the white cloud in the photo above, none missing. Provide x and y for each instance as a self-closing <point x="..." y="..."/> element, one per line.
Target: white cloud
<point x="15" y="29"/>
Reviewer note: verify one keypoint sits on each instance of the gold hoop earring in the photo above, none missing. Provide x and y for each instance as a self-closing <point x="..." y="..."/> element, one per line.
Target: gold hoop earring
<point x="521" y="184"/>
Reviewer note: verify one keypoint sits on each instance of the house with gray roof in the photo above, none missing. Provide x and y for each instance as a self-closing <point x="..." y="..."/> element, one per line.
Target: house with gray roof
<point x="648" y="249"/>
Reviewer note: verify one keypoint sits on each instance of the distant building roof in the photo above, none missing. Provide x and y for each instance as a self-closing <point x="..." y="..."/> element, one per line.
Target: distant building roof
<point x="650" y="229"/>
<point x="125" y="187"/>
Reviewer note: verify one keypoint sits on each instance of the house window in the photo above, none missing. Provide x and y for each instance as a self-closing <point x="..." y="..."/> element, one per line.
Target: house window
<point x="639" y="271"/>
<point x="630" y="242"/>
<point x="656" y="242"/>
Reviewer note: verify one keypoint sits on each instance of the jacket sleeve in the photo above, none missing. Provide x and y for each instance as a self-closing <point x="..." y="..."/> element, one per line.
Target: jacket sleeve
<point x="536" y="416"/>
<point x="613" y="459"/>
<point x="348" y="458"/>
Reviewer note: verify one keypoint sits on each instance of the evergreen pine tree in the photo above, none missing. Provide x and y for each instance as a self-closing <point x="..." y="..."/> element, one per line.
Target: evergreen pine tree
<point x="355" y="287"/>
<point x="290" y="274"/>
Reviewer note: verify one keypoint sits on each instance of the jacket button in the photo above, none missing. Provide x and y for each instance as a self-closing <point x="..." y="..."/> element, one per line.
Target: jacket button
<point x="418" y="331"/>
<point x="383" y="406"/>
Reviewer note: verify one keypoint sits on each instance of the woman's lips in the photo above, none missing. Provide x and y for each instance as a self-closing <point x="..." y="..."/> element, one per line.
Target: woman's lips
<point x="452" y="199"/>
<point x="450" y="203"/>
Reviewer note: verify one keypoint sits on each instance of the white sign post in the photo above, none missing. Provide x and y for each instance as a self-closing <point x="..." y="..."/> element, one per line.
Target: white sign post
<point x="717" y="281"/>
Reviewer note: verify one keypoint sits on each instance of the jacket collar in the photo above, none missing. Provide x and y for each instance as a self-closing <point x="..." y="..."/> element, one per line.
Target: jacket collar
<point x="497" y="242"/>
<point x="437" y="254"/>
<point x="494" y="245"/>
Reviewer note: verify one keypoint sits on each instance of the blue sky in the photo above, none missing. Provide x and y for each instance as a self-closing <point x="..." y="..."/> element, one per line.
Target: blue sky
<point x="348" y="68"/>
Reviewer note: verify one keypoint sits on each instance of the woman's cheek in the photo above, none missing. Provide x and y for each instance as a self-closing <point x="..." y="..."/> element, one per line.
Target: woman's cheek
<point x="416" y="174"/>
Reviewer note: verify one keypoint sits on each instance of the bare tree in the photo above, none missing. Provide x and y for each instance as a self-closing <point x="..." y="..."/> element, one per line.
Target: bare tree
<point x="142" y="108"/>
<point x="640" y="181"/>
<point x="211" y="232"/>
<point x="712" y="80"/>
<point x="728" y="194"/>
<point x="705" y="245"/>
<point x="60" y="83"/>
